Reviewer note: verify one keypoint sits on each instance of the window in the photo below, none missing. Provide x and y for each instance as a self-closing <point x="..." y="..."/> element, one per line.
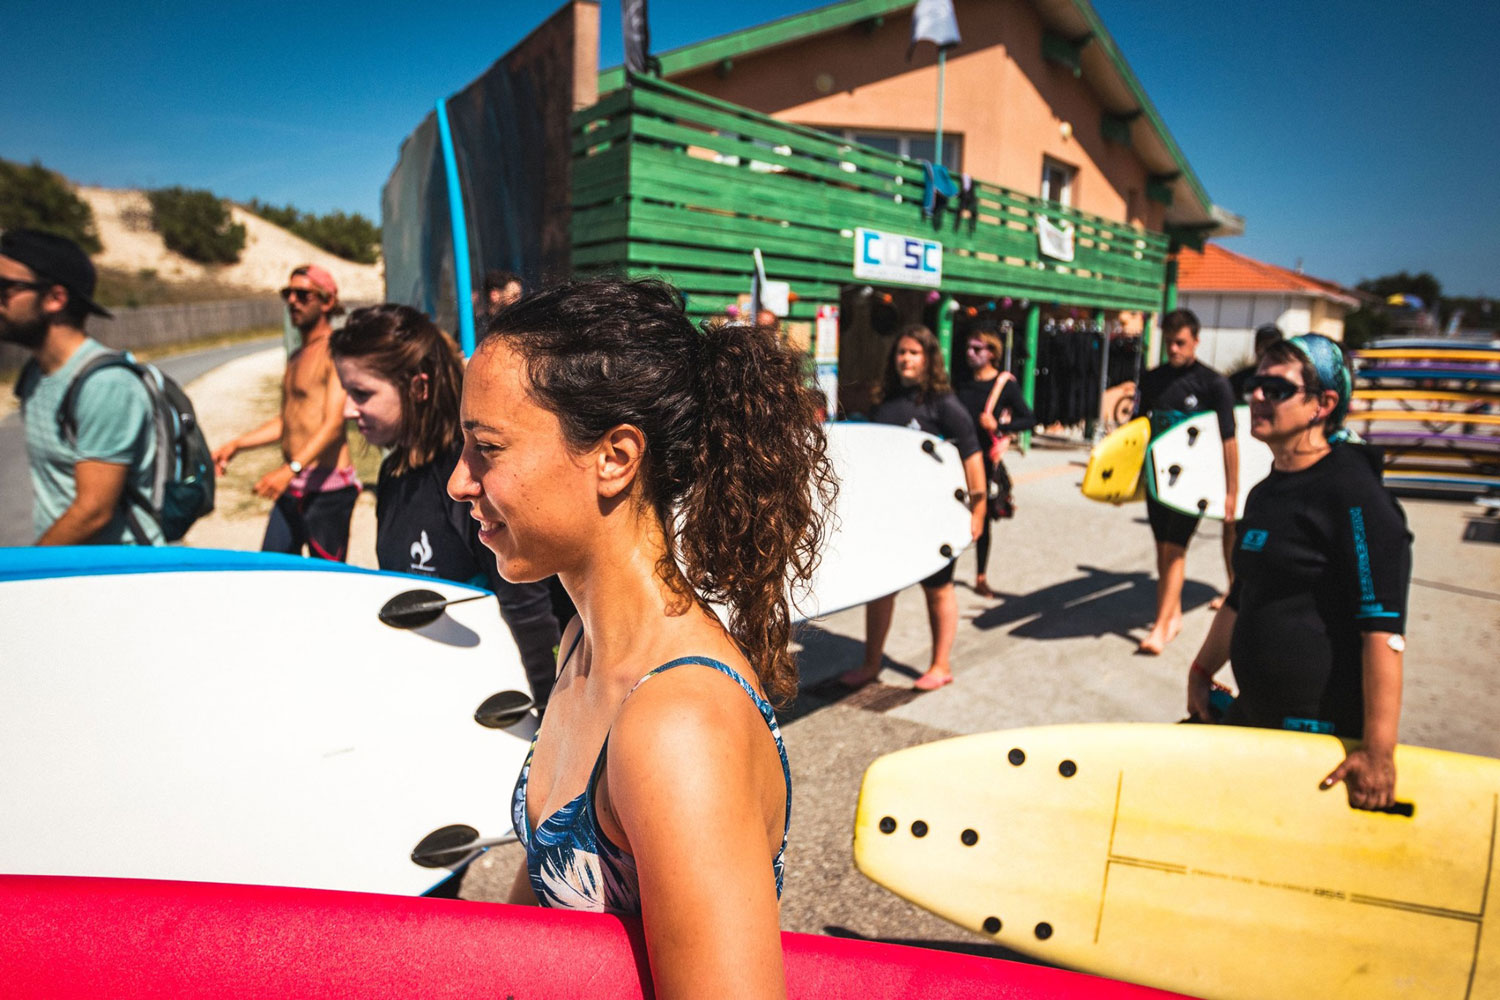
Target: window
<point x="917" y="145"/>
<point x="1057" y="181"/>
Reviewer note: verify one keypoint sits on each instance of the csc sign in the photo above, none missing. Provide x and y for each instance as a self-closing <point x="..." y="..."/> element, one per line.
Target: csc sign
<point x="887" y="257"/>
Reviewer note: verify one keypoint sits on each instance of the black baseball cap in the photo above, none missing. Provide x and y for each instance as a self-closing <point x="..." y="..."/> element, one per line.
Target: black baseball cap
<point x="56" y="258"/>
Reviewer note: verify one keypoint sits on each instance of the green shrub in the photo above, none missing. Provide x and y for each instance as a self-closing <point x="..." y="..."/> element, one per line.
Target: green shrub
<point x="197" y="225"/>
<point x="36" y="198"/>
<point x="347" y="235"/>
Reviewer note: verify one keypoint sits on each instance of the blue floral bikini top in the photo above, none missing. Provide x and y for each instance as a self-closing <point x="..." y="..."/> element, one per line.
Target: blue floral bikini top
<point x="572" y="863"/>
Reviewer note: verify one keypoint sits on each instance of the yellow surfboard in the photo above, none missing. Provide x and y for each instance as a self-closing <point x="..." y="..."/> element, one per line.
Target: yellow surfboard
<point x="1420" y="354"/>
<point x="1114" y="470"/>
<point x="1202" y="859"/>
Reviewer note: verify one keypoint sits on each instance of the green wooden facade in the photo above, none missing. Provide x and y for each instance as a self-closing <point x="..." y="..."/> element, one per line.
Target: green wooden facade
<point x="670" y="182"/>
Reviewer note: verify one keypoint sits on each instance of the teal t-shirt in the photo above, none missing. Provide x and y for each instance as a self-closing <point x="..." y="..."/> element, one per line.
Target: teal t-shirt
<point x="114" y="425"/>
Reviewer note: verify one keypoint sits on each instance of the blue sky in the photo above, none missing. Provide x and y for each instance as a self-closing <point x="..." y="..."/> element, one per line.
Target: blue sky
<point x="1359" y="137"/>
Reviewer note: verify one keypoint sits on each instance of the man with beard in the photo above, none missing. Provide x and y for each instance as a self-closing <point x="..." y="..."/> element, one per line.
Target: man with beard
<point x="81" y="487"/>
<point x="315" y="486"/>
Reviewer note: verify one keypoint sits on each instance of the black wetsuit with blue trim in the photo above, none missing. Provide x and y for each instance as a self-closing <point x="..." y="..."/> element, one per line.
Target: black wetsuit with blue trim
<point x="1324" y="556"/>
<point x="571" y="861"/>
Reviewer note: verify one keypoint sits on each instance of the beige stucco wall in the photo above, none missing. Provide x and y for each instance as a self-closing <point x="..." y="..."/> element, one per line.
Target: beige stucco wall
<point x="1008" y="103"/>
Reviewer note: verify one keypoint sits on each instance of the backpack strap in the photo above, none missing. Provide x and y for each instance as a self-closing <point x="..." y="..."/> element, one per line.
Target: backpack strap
<point x="1000" y="380"/>
<point x="131" y="497"/>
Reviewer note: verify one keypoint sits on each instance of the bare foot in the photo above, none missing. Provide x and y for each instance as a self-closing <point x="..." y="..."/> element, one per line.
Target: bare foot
<point x="858" y="677"/>
<point x="982" y="588"/>
<point x="1157" y="639"/>
<point x="934" y="679"/>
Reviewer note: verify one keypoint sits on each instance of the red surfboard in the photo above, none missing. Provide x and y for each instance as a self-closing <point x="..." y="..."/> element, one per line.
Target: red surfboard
<point x="65" y="938"/>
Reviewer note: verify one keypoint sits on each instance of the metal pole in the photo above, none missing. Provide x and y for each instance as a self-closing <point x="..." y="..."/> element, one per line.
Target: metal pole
<point x="1103" y="376"/>
<point x="937" y="149"/>
<point x="463" y="285"/>
<point x="944" y="330"/>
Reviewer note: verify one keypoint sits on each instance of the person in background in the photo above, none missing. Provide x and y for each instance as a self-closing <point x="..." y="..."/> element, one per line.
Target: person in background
<point x="80" y="488"/>
<point x="1265" y="335"/>
<point x="661" y="470"/>
<point x="915" y="394"/>
<point x="404" y="379"/>
<point x="993" y="398"/>
<point x="1313" y="624"/>
<point x="314" y="489"/>
<point x="1182" y="386"/>
<point x="499" y="290"/>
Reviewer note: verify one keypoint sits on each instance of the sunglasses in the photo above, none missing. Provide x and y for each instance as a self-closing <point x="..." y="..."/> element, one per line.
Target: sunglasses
<point x="1274" y="388"/>
<point x="979" y="348"/>
<point x="300" y="294"/>
<point x="8" y="285"/>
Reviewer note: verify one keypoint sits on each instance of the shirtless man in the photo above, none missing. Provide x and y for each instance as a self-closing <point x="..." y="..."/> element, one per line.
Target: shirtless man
<point x="315" y="488"/>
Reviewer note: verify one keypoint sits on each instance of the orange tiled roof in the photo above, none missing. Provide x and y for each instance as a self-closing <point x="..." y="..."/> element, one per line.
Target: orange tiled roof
<point x="1215" y="269"/>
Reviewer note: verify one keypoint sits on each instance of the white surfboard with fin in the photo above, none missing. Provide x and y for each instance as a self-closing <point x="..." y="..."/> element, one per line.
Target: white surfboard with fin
<point x="243" y="717"/>
<point x="1186" y="463"/>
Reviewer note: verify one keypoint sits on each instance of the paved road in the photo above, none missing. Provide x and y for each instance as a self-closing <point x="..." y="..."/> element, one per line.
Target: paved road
<point x="15" y="483"/>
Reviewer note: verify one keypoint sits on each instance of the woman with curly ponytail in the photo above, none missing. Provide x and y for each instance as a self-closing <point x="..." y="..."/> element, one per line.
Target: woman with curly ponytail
<point x="661" y="470"/>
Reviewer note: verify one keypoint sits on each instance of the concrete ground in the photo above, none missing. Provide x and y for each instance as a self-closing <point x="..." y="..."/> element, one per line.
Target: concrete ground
<point x="1076" y="587"/>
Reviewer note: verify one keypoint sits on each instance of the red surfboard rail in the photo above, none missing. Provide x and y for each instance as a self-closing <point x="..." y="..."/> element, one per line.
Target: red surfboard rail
<point x="65" y="938"/>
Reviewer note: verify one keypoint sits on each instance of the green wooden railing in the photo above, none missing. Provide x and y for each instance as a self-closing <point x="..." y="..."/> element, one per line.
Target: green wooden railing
<point x="668" y="181"/>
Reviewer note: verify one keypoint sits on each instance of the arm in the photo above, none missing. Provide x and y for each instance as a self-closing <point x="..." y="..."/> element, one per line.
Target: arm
<point x="99" y="488"/>
<point x="688" y="775"/>
<point x="1369" y="771"/>
<point x="1231" y="479"/>
<point x="1021" y="416"/>
<point x="1212" y="655"/>
<point x="974" y="477"/>
<point x="329" y="431"/>
<point x="267" y="433"/>
<point x="520" y="888"/>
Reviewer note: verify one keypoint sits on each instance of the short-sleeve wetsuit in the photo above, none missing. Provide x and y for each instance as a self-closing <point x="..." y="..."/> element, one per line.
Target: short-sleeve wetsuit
<point x="1324" y="556"/>
<point x="940" y="414"/>
<point x="1193" y="388"/>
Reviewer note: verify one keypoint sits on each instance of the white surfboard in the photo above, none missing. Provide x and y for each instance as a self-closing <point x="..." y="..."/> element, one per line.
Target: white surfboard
<point x="243" y="717"/>
<point x="900" y="516"/>
<point x="1187" y="464"/>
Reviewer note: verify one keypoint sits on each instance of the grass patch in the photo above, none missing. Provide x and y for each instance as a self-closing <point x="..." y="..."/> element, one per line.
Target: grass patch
<point x="118" y="287"/>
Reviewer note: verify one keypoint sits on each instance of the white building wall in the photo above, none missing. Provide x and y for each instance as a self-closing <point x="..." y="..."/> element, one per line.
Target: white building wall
<point x="1229" y="319"/>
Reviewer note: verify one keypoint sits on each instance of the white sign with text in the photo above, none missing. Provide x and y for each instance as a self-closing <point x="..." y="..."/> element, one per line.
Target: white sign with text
<point x="889" y="257"/>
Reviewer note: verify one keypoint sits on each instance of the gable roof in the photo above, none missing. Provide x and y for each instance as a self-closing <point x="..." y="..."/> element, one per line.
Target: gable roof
<point x="1215" y="269"/>
<point x="1102" y="67"/>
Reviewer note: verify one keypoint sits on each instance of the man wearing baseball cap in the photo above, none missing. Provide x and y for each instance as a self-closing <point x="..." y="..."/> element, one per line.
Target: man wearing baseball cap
<point x="80" y="487"/>
<point x="315" y="486"/>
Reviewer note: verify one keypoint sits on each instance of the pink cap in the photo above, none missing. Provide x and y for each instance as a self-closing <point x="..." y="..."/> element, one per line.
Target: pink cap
<point x="320" y="279"/>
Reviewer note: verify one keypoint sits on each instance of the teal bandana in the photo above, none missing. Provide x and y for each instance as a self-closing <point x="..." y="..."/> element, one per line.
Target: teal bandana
<point x="1328" y="361"/>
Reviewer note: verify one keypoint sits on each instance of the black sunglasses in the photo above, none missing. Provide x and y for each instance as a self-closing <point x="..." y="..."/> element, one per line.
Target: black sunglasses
<point x="1274" y="388"/>
<point x="8" y="285"/>
<point x="300" y="294"/>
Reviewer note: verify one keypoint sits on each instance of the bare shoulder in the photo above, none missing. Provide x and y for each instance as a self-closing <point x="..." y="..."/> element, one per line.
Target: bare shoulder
<point x="691" y="722"/>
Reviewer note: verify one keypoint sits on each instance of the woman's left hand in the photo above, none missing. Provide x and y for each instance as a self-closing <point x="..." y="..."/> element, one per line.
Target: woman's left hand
<point x="1369" y="775"/>
<point x="988" y="422"/>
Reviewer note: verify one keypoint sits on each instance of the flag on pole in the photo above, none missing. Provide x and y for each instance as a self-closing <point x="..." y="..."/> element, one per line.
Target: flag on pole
<point x="637" y="35"/>
<point x="932" y="21"/>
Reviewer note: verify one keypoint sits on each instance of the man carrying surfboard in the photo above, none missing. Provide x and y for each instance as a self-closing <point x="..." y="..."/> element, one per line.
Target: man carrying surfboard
<point x="1184" y="385"/>
<point x="315" y="488"/>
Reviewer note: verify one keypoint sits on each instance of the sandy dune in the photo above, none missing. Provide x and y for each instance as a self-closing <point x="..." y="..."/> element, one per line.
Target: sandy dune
<point x="123" y="218"/>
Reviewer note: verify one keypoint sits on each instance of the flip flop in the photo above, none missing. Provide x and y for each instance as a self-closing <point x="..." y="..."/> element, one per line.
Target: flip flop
<point x="931" y="682"/>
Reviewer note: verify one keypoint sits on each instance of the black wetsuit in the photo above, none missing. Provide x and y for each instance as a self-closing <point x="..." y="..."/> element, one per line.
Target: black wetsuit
<point x="1324" y="555"/>
<point x="421" y="530"/>
<point x="1193" y="388"/>
<point x="974" y="395"/>
<point x="942" y="415"/>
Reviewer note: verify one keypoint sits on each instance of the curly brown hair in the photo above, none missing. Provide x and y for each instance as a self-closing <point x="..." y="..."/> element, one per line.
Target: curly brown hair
<point x="399" y="343"/>
<point x="934" y="372"/>
<point x="736" y="464"/>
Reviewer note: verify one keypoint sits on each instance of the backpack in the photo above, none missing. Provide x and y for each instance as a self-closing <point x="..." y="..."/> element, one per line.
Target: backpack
<point x="182" y="486"/>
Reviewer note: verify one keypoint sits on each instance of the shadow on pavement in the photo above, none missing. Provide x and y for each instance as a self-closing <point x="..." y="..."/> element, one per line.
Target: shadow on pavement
<point x="823" y="657"/>
<point x="1100" y="602"/>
